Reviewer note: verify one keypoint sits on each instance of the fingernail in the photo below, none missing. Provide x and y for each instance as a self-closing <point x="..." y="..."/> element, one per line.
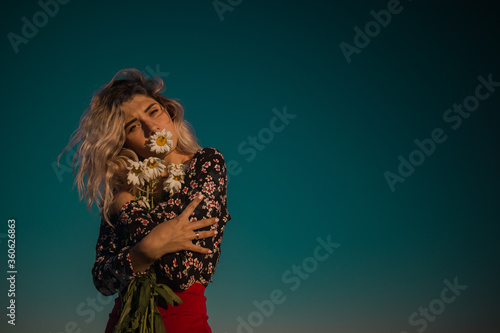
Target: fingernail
<point x="209" y="251"/>
<point x="200" y="196"/>
<point x="216" y="219"/>
<point x="216" y="232"/>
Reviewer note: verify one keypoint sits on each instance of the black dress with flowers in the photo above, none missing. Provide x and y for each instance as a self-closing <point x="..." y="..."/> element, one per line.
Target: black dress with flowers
<point x="112" y="269"/>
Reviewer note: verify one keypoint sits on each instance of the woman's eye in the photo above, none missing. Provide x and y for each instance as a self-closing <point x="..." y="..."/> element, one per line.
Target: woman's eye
<point x="154" y="112"/>
<point x="132" y="128"/>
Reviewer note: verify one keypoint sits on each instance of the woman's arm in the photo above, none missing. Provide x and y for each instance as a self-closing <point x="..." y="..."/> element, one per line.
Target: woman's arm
<point x="140" y="256"/>
<point x="117" y="263"/>
<point x="209" y="178"/>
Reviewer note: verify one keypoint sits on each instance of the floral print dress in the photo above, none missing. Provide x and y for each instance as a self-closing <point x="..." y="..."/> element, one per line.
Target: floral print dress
<point x="112" y="269"/>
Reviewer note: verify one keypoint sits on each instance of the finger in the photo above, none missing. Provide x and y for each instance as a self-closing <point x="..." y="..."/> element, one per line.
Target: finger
<point x="191" y="207"/>
<point x="199" y="249"/>
<point x="203" y="223"/>
<point x="204" y="234"/>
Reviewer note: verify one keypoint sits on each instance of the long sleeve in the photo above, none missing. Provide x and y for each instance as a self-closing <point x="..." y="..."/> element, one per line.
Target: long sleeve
<point x="113" y="269"/>
<point x="207" y="176"/>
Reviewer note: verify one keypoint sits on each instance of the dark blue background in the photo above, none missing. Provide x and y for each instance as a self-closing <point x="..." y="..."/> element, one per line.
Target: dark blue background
<point x="322" y="175"/>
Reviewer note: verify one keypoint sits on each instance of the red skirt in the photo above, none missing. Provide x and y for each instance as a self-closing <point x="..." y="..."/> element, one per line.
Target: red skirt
<point x="190" y="316"/>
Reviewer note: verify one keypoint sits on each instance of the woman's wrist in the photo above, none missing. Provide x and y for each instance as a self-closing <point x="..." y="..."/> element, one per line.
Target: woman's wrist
<point x="141" y="256"/>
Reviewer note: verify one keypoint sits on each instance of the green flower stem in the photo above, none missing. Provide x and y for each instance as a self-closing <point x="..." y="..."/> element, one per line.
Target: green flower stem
<point x="139" y="312"/>
<point x="152" y="306"/>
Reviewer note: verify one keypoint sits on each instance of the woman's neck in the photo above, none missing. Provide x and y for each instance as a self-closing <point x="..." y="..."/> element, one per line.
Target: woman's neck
<point x="177" y="157"/>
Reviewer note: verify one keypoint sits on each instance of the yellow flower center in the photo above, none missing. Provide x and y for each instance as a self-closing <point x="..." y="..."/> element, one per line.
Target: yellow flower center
<point x="178" y="178"/>
<point x="136" y="170"/>
<point x="152" y="164"/>
<point x="161" y="141"/>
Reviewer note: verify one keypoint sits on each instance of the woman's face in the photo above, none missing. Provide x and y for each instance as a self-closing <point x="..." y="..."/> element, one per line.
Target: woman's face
<point x="143" y="117"/>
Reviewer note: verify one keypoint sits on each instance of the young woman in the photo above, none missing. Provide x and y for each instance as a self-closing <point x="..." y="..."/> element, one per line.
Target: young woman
<point x="181" y="236"/>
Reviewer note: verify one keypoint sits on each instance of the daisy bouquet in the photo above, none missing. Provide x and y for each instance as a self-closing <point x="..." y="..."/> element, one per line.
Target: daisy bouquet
<point x="145" y="175"/>
<point x="139" y="312"/>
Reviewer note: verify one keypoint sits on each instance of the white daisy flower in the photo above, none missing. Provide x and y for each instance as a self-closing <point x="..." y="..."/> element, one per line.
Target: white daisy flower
<point x="153" y="167"/>
<point x="176" y="169"/>
<point x="144" y="202"/>
<point x="136" y="174"/>
<point x="160" y="142"/>
<point x="175" y="178"/>
<point x="171" y="185"/>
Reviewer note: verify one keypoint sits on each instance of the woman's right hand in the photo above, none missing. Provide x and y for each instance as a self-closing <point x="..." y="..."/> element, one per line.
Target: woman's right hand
<point x="172" y="236"/>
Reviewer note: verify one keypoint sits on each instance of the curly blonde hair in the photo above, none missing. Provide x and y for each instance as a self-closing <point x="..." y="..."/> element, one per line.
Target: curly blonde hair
<point x="100" y="162"/>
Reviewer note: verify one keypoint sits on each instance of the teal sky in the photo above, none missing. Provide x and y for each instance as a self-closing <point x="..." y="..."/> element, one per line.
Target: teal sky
<point x="311" y="133"/>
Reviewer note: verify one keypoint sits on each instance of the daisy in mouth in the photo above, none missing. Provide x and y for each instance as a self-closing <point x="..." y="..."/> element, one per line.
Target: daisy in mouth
<point x="160" y="142"/>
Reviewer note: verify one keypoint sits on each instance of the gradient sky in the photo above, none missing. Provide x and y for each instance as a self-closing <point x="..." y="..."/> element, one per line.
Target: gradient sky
<point x="319" y="176"/>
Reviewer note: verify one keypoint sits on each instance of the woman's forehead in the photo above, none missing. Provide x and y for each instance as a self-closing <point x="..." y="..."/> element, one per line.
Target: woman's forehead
<point x="138" y="104"/>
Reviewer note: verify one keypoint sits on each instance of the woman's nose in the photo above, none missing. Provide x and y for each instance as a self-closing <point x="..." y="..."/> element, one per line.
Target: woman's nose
<point x="151" y="129"/>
